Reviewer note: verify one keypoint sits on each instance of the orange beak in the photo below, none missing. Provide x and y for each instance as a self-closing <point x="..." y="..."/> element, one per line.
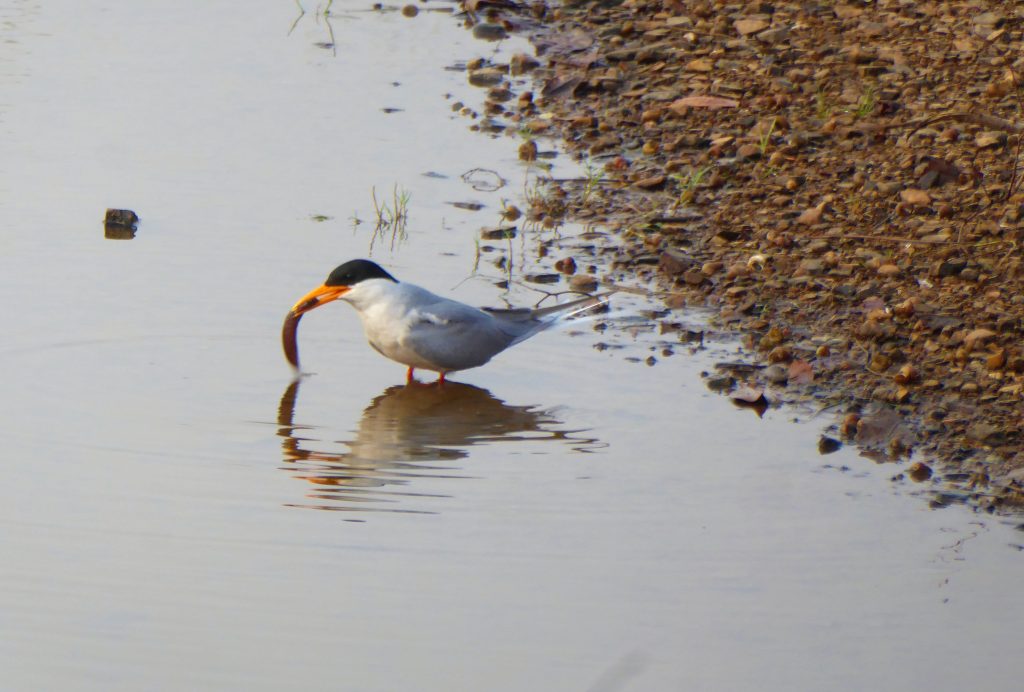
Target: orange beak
<point x="317" y="297"/>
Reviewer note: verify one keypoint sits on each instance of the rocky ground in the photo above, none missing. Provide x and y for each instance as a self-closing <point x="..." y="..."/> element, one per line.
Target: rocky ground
<point x="840" y="180"/>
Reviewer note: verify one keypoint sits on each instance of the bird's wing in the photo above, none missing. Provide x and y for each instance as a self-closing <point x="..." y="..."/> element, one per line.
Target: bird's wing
<point x="455" y="336"/>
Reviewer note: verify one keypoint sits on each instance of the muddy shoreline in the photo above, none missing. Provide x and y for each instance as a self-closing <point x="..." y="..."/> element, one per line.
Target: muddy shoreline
<point x="840" y="184"/>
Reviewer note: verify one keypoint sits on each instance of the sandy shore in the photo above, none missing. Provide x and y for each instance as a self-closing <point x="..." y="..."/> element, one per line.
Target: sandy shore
<point x="839" y="182"/>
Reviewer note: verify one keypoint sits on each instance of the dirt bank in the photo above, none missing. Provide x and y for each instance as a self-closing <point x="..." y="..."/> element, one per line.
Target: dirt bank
<point x="840" y="180"/>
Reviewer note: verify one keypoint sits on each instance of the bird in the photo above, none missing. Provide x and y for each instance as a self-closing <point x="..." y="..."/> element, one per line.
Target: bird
<point x="423" y="330"/>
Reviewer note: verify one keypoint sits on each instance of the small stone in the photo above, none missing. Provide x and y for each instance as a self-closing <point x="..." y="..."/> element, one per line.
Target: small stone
<point x="745" y="27"/>
<point x="888" y="270"/>
<point x="486" y="76"/>
<point x="811" y="216"/>
<point x="651" y="182"/>
<point x="700" y="65"/>
<point x="566" y="266"/>
<point x="528" y="151"/>
<point x="976" y="337"/>
<point x="919" y="472"/>
<point x="779" y="33"/>
<point x="120" y="217"/>
<point x="915" y="198"/>
<point x="711" y="268"/>
<point x="997" y="360"/>
<point x="584" y="283"/>
<point x="745" y="152"/>
<point x="490" y="32"/>
<point x="810" y="267"/>
<point x="984" y="140"/>
<point x="907" y="374"/>
<point x="737" y="270"/>
<point x="693" y="277"/>
<point x="828" y="445"/>
<point x="673" y="263"/>
<point x="521" y="63"/>
<point x="776" y="373"/>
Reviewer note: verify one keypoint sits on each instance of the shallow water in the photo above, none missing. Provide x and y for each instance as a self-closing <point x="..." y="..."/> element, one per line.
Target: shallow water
<point x="565" y="518"/>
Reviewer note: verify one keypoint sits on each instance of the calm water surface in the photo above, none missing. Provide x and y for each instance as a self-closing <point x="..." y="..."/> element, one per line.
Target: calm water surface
<point x="566" y="518"/>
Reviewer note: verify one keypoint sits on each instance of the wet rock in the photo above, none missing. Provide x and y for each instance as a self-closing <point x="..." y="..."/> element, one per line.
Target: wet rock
<point x="498" y="233"/>
<point x="776" y="373"/>
<point x="521" y="63"/>
<point x="120" y="224"/>
<point x="490" y="32"/>
<point x="919" y="472"/>
<point x="566" y="265"/>
<point x="486" y="76"/>
<point x="828" y="445"/>
<point x="673" y="263"/>
<point x="120" y="217"/>
<point x="650" y="182"/>
<point x="584" y="283"/>
<point x="543" y="278"/>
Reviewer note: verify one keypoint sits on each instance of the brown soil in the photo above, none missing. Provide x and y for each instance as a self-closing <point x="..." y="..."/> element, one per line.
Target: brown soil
<point x="841" y="180"/>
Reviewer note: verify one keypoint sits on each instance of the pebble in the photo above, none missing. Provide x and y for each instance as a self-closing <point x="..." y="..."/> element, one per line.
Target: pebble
<point x="915" y="198"/>
<point x="583" y="282"/>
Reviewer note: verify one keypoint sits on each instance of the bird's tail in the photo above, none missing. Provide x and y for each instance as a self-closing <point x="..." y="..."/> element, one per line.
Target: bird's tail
<point x="529" y="321"/>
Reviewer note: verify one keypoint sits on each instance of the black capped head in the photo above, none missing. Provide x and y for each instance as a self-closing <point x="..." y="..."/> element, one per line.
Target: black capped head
<point x="354" y="271"/>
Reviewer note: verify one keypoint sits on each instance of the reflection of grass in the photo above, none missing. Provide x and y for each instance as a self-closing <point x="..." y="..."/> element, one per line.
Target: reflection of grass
<point x="594" y="177"/>
<point x="391" y="217"/>
<point x="326" y="13"/>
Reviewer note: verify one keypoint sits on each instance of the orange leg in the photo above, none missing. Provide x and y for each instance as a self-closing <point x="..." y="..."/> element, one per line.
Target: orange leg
<point x="409" y="379"/>
<point x="441" y="380"/>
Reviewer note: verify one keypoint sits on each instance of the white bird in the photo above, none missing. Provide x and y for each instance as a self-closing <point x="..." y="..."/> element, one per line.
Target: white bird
<point x="420" y="329"/>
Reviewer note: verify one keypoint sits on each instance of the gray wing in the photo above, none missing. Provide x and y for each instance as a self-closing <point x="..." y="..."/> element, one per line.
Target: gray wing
<point x="455" y="336"/>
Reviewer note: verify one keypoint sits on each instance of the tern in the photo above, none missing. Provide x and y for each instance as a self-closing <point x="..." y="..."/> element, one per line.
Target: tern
<point x="420" y="329"/>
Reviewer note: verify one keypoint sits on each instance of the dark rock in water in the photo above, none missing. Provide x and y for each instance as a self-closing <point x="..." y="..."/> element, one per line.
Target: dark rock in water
<point x="828" y="445"/>
<point x="121" y="217"/>
<point x="119" y="224"/>
<point x="498" y="233"/>
<point x="490" y="32"/>
<point x="543" y="278"/>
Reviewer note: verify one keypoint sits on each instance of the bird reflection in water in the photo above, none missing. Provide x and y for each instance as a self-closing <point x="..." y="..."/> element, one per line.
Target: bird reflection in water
<point x="408" y="432"/>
